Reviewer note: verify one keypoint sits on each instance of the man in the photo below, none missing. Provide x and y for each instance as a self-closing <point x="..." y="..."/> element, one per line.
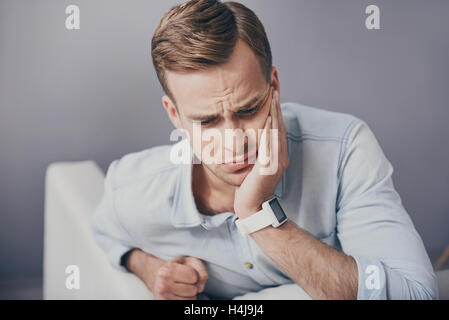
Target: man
<point x="326" y="218"/>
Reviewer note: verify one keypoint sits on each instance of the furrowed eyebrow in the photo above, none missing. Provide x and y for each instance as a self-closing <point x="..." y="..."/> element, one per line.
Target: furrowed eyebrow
<point x="252" y="102"/>
<point x="255" y="100"/>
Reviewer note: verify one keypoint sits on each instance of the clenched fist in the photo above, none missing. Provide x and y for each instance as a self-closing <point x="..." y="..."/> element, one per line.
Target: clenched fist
<point x="180" y="279"/>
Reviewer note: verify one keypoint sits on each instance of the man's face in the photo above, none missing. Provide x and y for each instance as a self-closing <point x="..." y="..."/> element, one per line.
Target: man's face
<point x="230" y="100"/>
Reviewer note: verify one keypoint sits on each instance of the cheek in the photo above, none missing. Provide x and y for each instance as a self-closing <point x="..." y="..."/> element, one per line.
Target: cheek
<point x="211" y="143"/>
<point x="195" y="140"/>
<point x="257" y="123"/>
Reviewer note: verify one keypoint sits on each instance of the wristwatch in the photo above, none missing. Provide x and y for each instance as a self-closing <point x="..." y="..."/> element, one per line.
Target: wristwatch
<point x="271" y="214"/>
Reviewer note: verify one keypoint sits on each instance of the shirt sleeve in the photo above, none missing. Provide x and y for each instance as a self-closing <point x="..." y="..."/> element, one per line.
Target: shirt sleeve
<point x="107" y="229"/>
<point x="374" y="228"/>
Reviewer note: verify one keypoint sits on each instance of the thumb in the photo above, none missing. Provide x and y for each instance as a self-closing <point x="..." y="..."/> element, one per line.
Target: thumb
<point x="200" y="268"/>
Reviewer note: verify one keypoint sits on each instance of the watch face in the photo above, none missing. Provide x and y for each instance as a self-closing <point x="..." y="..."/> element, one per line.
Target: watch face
<point x="278" y="212"/>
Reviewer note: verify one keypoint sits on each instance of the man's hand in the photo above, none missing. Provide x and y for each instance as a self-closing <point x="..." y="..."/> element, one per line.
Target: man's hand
<point x="272" y="161"/>
<point x="177" y="279"/>
<point x="180" y="279"/>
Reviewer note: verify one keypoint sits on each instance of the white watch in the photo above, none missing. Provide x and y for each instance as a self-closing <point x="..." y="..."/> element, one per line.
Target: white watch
<point x="271" y="214"/>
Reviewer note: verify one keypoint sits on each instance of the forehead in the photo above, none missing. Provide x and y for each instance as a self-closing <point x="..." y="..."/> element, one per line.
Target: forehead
<point x="235" y="82"/>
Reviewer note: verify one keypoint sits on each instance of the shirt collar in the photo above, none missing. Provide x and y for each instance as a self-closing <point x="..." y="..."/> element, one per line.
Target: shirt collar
<point x="184" y="212"/>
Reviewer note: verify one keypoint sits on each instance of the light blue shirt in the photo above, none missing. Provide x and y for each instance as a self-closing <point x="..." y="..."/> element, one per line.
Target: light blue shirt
<point x="338" y="187"/>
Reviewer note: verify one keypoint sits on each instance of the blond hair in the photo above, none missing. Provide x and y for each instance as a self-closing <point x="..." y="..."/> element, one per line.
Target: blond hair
<point x="199" y="34"/>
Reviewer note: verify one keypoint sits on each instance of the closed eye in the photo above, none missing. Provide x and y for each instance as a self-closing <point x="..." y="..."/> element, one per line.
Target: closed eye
<point x="248" y="112"/>
<point x="243" y="113"/>
<point x="208" y="121"/>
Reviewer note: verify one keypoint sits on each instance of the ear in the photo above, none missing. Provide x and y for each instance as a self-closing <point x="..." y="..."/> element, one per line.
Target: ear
<point x="172" y="112"/>
<point x="275" y="80"/>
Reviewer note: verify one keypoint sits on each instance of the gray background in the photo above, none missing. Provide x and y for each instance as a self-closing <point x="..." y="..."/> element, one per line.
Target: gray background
<point x="92" y="94"/>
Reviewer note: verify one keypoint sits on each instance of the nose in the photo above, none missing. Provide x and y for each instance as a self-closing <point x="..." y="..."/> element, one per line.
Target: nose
<point x="235" y="141"/>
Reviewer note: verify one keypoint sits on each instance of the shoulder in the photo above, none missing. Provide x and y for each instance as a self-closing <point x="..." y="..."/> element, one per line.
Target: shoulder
<point x="149" y="164"/>
<point x="305" y="122"/>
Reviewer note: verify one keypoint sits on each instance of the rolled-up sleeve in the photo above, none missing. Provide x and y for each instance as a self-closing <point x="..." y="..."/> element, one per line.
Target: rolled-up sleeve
<point x="374" y="228"/>
<point x="108" y="232"/>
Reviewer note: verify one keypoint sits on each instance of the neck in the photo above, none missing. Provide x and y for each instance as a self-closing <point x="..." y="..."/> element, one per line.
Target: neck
<point x="212" y="195"/>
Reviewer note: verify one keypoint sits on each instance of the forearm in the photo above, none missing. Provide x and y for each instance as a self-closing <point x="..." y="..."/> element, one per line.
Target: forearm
<point x="144" y="266"/>
<point x="323" y="272"/>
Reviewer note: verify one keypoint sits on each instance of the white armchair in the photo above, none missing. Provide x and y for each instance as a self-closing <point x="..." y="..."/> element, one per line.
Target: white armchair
<point x="72" y="191"/>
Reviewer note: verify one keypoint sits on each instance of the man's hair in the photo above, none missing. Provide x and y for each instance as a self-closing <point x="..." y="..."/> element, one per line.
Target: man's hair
<point x="199" y="34"/>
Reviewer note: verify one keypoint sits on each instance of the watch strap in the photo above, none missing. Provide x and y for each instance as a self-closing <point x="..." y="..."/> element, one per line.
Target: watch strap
<point x="254" y="222"/>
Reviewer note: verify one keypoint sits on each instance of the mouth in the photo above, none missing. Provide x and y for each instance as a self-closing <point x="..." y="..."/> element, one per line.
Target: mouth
<point x="240" y="162"/>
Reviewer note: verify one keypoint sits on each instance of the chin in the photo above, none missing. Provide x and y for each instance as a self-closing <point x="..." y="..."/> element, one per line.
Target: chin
<point x="234" y="178"/>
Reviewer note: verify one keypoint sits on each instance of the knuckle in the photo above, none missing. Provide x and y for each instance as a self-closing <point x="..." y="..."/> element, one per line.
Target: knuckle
<point x="176" y="260"/>
<point x="285" y="163"/>
<point x="193" y="277"/>
<point x="189" y="260"/>
<point x="164" y="272"/>
<point x="193" y="290"/>
<point x="164" y="287"/>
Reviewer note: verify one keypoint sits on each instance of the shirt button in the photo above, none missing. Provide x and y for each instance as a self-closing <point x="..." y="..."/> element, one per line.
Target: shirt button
<point x="248" y="265"/>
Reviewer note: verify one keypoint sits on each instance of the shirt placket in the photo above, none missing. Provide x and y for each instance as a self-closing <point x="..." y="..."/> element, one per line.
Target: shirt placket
<point x="246" y="258"/>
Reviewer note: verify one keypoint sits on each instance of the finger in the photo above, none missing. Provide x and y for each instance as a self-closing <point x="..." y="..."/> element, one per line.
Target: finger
<point x="276" y="145"/>
<point x="264" y="144"/>
<point x="183" y="290"/>
<point x="267" y="131"/>
<point x="274" y="111"/>
<point x="171" y="296"/>
<point x="180" y="260"/>
<point x="282" y="135"/>
<point x="201" y="269"/>
<point x="281" y="124"/>
<point x="180" y="273"/>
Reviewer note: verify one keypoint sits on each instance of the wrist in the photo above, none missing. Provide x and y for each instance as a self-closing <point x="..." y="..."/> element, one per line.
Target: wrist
<point x="144" y="266"/>
<point x="247" y="210"/>
<point x="243" y="213"/>
<point x="132" y="261"/>
<point x="151" y="267"/>
<point x="271" y="215"/>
